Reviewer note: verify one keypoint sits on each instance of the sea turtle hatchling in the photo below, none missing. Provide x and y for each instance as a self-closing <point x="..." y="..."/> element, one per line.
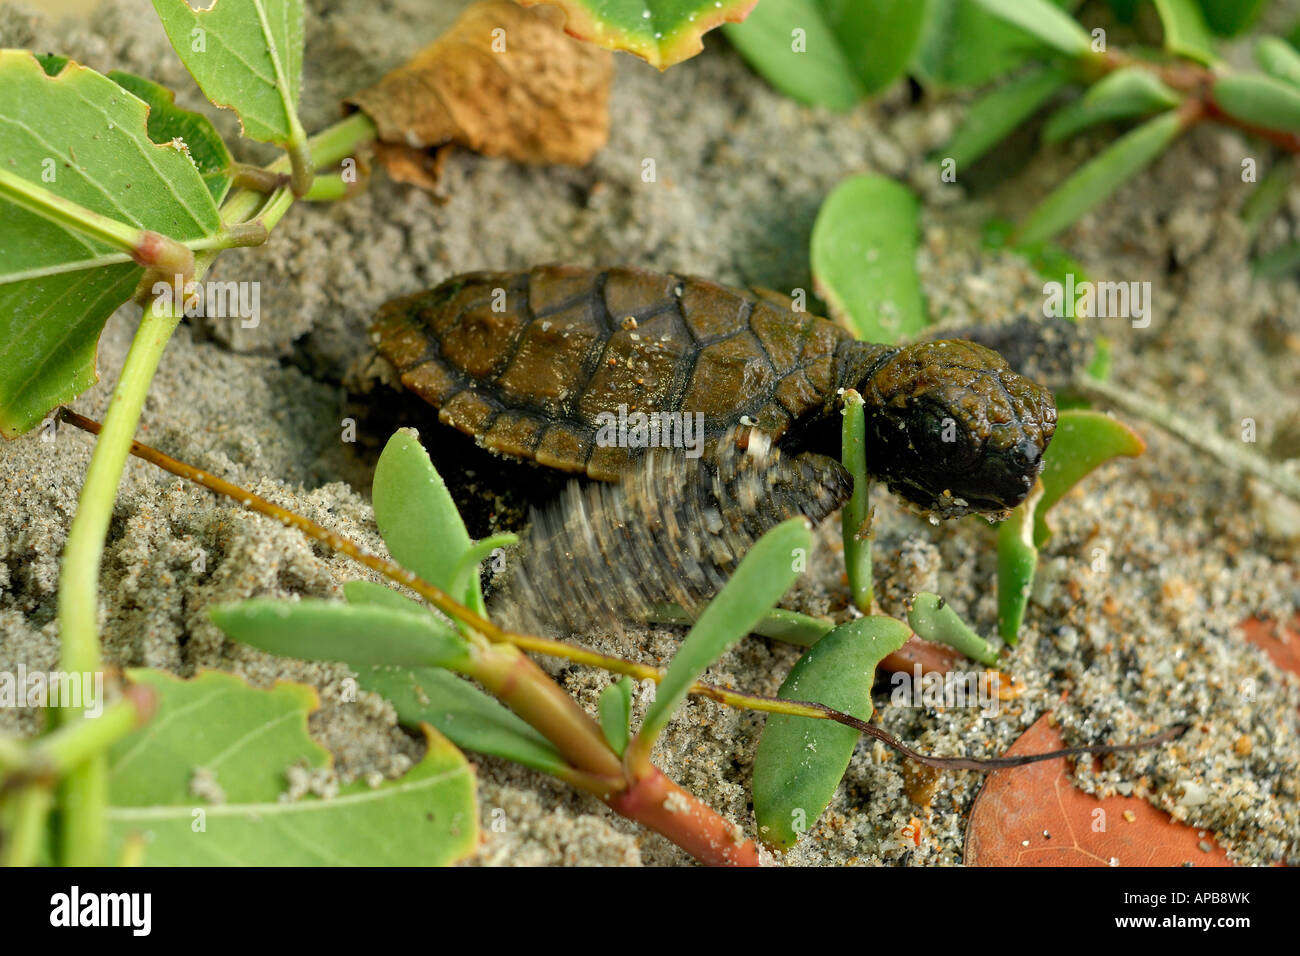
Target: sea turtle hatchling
<point x="533" y="364"/>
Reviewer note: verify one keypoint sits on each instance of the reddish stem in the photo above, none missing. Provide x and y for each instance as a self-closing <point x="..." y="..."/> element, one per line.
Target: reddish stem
<point x="1290" y="142"/>
<point x="1197" y="82"/>
<point x="656" y="802"/>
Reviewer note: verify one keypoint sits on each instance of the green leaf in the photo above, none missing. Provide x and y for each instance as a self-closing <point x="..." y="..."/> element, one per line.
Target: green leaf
<point x="168" y="122"/>
<point x="830" y="53"/>
<point x="415" y="514"/>
<point x="1227" y="18"/>
<point x="615" y="712"/>
<point x="864" y="258"/>
<point x="1259" y="101"/>
<point x="1017" y="561"/>
<point x="855" y="517"/>
<point x="1279" y="263"/>
<point x="763" y="576"/>
<point x="246" y="741"/>
<point x="1124" y="10"/>
<point x="246" y="55"/>
<point x="58" y="285"/>
<point x="800" y="760"/>
<point x="361" y="635"/>
<point x="995" y="115"/>
<point x="368" y="592"/>
<point x="465" y="582"/>
<point x="661" y="32"/>
<point x="793" y="627"/>
<point x="1084" y="441"/>
<point x="1099" y="367"/>
<point x="1279" y="59"/>
<point x="469" y="717"/>
<point x="1185" y="31"/>
<point x="933" y="619"/>
<point x="1100" y="177"/>
<point x="964" y="45"/>
<point x="1128" y="92"/>
<point x="1049" y="260"/>
<point x="1048" y="23"/>
<point x="778" y="624"/>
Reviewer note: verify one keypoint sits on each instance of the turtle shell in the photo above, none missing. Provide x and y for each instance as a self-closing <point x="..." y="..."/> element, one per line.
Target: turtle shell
<point x="535" y="364"/>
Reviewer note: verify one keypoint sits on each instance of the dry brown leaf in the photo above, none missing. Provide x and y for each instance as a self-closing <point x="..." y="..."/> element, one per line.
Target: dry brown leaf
<point x="1034" y="816"/>
<point x="418" y="167"/>
<point x="503" y="81"/>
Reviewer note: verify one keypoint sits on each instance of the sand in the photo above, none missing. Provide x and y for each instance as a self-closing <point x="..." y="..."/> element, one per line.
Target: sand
<point x="1189" y="550"/>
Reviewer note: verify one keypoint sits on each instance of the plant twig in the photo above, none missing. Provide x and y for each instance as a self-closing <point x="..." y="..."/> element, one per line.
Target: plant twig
<point x="457" y="611"/>
<point x="1196" y="82"/>
<point x="1233" y="455"/>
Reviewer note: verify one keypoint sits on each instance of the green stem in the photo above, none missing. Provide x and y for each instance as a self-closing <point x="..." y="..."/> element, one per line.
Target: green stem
<point x="85" y="790"/>
<point x="84" y="793"/>
<point x="75" y="743"/>
<point x="133" y="848"/>
<point x="855" y="519"/>
<point x="68" y="214"/>
<point x="145" y="246"/>
<point x="30" y="809"/>
<point x="521" y="685"/>
<point x="334" y="143"/>
<point x="244" y="176"/>
<point x="12" y="754"/>
<point x="330" y="188"/>
<point x="1232" y="454"/>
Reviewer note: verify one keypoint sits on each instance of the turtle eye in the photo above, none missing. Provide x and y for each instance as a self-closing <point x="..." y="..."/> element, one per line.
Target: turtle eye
<point x="942" y="440"/>
<point x="1024" y="457"/>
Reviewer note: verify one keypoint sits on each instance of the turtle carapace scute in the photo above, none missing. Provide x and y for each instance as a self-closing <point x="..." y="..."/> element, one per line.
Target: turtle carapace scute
<point x="533" y="363"/>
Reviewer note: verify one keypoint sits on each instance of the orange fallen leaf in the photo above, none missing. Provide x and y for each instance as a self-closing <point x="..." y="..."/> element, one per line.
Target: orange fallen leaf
<point x="933" y="658"/>
<point x="503" y="81"/>
<point x="1034" y="816"/>
<point x="1280" y="643"/>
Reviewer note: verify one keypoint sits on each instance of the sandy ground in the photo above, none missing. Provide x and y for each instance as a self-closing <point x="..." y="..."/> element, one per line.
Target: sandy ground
<point x="1147" y="639"/>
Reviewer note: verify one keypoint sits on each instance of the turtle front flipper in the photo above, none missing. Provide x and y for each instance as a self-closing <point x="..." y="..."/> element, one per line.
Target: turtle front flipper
<point x="670" y="532"/>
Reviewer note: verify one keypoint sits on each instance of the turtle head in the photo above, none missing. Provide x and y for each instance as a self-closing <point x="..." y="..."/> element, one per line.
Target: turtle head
<point x="954" y="430"/>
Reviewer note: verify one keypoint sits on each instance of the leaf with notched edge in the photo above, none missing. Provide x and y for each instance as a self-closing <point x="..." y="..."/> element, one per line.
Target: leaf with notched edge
<point x="75" y="133"/>
<point x="168" y="123"/>
<point x="661" y="32"/>
<point x="225" y="753"/>
<point x="503" y="81"/>
<point x="1034" y="816"/>
<point x="246" y="55"/>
